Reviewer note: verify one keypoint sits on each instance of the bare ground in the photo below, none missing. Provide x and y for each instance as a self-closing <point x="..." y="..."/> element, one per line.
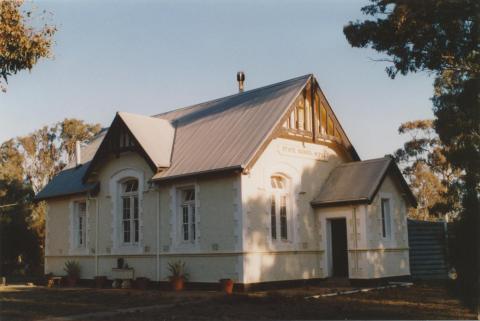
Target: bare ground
<point x="424" y="301"/>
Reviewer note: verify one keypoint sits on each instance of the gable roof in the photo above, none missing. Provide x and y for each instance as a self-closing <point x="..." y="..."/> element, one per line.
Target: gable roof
<point x="155" y="136"/>
<point x="359" y="182"/>
<point x="221" y="134"/>
<point x="225" y="133"/>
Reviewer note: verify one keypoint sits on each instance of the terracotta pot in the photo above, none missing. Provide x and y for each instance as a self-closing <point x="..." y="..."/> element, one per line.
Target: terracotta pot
<point x="227" y="285"/>
<point x="142" y="283"/>
<point x="100" y="281"/>
<point x="178" y="283"/>
<point x="71" y="281"/>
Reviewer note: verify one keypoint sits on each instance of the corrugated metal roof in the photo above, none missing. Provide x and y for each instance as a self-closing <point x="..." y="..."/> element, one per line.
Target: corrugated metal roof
<point x="358" y="182"/>
<point x="155" y="135"/>
<point x="226" y="132"/>
<point x="219" y="134"/>
<point x="69" y="180"/>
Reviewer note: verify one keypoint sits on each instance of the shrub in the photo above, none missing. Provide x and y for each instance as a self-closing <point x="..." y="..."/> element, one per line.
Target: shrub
<point x="73" y="269"/>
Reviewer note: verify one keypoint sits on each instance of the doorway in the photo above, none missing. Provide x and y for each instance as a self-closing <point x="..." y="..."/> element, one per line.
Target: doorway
<point x="339" y="247"/>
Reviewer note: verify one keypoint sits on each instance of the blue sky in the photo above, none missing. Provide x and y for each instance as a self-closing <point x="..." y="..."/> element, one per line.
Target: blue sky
<point x="148" y="57"/>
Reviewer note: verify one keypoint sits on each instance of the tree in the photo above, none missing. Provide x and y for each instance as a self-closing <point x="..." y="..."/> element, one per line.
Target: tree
<point x="441" y="38"/>
<point x="27" y="164"/>
<point x="431" y="177"/>
<point x="21" y="46"/>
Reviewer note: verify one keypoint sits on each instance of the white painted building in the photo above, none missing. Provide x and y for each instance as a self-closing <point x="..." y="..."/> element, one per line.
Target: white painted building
<point x="260" y="186"/>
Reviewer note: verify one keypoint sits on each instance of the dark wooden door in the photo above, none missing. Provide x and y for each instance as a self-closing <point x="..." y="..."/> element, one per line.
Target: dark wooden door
<point x="339" y="247"/>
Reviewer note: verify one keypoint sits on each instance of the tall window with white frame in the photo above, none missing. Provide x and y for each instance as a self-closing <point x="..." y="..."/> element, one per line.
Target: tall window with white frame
<point x="279" y="209"/>
<point x="188" y="219"/>
<point x="386" y="218"/>
<point x="80" y="223"/>
<point x="130" y="212"/>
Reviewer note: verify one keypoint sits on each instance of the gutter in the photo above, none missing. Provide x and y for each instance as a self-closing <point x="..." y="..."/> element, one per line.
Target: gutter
<point x="362" y="200"/>
<point x="201" y="173"/>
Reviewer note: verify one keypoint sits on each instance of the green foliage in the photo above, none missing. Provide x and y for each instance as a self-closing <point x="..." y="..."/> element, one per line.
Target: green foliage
<point x="72" y="268"/>
<point x="21" y="46"/>
<point x="432" y="35"/>
<point x="440" y="37"/>
<point x="177" y="270"/>
<point x="26" y="165"/>
<point x="431" y="177"/>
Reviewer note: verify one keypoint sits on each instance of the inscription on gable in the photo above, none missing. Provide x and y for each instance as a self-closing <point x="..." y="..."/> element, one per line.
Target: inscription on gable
<point x="303" y="152"/>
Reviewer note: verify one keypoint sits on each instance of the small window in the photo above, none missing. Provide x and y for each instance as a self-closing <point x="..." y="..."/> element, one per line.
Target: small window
<point x="80" y="223"/>
<point x="386" y="218"/>
<point x="188" y="219"/>
<point x="130" y="212"/>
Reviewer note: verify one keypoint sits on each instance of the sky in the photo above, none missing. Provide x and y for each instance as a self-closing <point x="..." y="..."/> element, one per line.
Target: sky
<point x="148" y="57"/>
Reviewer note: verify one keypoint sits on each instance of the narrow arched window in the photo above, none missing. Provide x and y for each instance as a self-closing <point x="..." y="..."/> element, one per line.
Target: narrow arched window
<point x="130" y="220"/>
<point x="279" y="208"/>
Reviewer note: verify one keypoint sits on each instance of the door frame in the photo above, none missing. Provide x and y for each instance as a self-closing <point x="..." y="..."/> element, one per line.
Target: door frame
<point x="330" y="244"/>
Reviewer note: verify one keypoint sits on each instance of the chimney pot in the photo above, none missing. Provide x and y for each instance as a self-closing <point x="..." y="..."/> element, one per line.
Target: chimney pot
<point x="78" y="155"/>
<point x="241" y="80"/>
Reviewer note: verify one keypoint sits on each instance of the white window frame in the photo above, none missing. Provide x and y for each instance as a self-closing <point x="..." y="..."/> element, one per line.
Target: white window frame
<point x="132" y="221"/>
<point x="386" y="218"/>
<point x="115" y="185"/>
<point x="177" y="209"/>
<point x="279" y="194"/>
<point x="77" y="248"/>
<point x="188" y="224"/>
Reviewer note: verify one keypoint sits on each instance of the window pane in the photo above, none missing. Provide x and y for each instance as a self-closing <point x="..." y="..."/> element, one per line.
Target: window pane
<point x="192" y="210"/>
<point x="80" y="230"/>
<point x="283" y="217"/>
<point x="189" y="195"/>
<point x="135" y="207"/>
<point x="277" y="182"/>
<point x="130" y="186"/>
<point x="135" y="223"/>
<point x="185" y="222"/>
<point x="126" y="231"/>
<point x="386" y="227"/>
<point x="126" y="207"/>
<point x="273" y="218"/>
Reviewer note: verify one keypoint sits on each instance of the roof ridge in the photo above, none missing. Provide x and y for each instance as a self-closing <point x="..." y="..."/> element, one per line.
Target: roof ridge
<point x="372" y="160"/>
<point x="232" y="95"/>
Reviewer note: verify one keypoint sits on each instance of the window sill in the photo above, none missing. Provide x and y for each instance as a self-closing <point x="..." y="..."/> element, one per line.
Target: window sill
<point x="128" y="249"/>
<point x="79" y="251"/>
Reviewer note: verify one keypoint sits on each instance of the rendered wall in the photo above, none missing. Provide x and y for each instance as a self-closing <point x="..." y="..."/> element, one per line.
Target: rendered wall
<point x="369" y="254"/>
<point x="213" y="257"/>
<point x="306" y="166"/>
<point x="391" y="255"/>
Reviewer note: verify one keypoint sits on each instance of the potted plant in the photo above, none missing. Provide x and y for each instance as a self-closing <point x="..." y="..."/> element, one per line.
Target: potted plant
<point x="100" y="281"/>
<point x="73" y="272"/>
<point x="142" y="283"/>
<point x="227" y="285"/>
<point x="178" y="276"/>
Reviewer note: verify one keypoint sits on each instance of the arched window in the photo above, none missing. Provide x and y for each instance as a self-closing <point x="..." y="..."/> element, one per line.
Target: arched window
<point x="129" y="203"/>
<point x="279" y="208"/>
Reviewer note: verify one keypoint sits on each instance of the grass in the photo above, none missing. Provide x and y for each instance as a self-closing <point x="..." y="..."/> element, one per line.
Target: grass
<point x="424" y="301"/>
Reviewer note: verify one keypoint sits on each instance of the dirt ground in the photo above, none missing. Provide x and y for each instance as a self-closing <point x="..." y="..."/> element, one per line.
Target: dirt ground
<point x="423" y="301"/>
